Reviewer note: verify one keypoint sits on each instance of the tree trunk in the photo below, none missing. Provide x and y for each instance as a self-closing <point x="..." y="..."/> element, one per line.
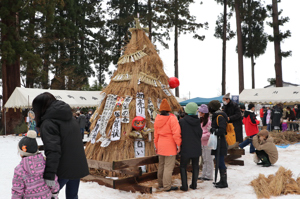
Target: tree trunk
<point x="10" y="68"/>
<point x="278" y="67"/>
<point x="240" y="48"/>
<point x="150" y="19"/>
<point x="252" y="71"/>
<point x="176" y="47"/>
<point x="224" y="49"/>
<point x="136" y="7"/>
<point x="30" y="65"/>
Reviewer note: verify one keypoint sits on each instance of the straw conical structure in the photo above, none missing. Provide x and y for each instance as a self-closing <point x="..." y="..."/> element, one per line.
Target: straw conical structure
<point x="140" y="69"/>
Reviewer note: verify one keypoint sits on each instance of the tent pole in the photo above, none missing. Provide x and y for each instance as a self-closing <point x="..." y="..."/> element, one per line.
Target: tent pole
<point x="5" y="121"/>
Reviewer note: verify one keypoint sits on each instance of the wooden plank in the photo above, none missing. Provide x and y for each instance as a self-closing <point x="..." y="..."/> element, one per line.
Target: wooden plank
<point x="100" y="180"/>
<point x="96" y="164"/>
<point x="122" y="164"/>
<point x="136" y="188"/>
<point x="236" y="152"/>
<point x="236" y="162"/>
<point x="134" y="171"/>
<point x="232" y="157"/>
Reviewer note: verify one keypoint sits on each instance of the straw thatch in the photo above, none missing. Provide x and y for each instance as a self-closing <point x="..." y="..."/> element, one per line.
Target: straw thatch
<point x="286" y="137"/>
<point x="281" y="183"/>
<point x="136" y="72"/>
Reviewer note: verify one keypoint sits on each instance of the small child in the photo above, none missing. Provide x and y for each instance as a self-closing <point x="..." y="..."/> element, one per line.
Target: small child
<point x="266" y="150"/>
<point x="208" y="164"/>
<point x="28" y="181"/>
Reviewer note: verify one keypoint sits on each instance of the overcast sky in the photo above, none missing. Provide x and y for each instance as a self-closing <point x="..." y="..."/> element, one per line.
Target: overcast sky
<point x="200" y="62"/>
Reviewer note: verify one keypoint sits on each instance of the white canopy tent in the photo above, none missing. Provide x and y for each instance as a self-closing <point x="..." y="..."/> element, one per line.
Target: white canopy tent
<point x="23" y="97"/>
<point x="274" y="95"/>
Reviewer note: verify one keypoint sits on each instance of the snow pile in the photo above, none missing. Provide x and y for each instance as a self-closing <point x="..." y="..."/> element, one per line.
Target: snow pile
<point x="239" y="177"/>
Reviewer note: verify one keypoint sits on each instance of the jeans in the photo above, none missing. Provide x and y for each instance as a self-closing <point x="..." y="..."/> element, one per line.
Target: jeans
<point x="269" y="127"/>
<point x="247" y="142"/>
<point x="221" y="162"/>
<point x="72" y="187"/>
<point x="82" y="132"/>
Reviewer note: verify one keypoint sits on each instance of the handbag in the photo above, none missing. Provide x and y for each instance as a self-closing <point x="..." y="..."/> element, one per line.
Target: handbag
<point x="212" y="142"/>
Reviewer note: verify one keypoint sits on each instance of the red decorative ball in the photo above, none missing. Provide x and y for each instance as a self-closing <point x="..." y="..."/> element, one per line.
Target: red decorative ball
<point x="138" y="123"/>
<point x="173" y="82"/>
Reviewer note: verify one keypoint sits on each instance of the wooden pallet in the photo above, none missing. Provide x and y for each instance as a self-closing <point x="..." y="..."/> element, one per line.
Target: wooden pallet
<point x="233" y="155"/>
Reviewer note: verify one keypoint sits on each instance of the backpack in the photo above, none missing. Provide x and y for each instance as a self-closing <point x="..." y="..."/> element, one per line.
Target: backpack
<point x="230" y="137"/>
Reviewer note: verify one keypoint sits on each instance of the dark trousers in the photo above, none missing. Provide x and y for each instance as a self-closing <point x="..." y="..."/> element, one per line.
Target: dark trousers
<point x="82" y="132"/>
<point x="261" y="154"/>
<point x="72" y="187"/>
<point x="247" y="142"/>
<point x="184" y="162"/>
<point x="221" y="161"/>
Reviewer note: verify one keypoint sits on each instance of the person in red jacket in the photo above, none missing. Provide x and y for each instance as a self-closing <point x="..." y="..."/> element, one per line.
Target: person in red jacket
<point x="261" y="113"/>
<point x="251" y="127"/>
<point x="167" y="141"/>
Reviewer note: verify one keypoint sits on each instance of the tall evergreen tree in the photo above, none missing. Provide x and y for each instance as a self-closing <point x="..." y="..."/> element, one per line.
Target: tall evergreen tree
<point x="254" y="39"/>
<point x="177" y="16"/>
<point x="224" y="32"/>
<point x="277" y="38"/>
<point x="11" y="50"/>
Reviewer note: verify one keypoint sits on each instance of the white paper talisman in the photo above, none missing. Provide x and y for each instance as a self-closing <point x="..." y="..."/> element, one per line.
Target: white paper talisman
<point x="95" y="131"/>
<point x="116" y="127"/>
<point x="151" y="110"/>
<point x="139" y="149"/>
<point x="125" y="109"/>
<point x="140" y="105"/>
<point x="107" y="112"/>
<point x="158" y="103"/>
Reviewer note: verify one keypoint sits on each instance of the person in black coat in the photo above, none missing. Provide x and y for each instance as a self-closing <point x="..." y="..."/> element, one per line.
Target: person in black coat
<point x="219" y="128"/>
<point x="60" y="133"/>
<point x="233" y="112"/>
<point x="276" y="115"/>
<point x="191" y="133"/>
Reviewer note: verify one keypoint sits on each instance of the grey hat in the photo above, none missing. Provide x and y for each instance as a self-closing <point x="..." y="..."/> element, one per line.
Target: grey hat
<point x="28" y="145"/>
<point x="227" y="95"/>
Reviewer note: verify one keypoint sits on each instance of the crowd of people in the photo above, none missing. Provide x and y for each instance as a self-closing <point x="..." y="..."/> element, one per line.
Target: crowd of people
<point x="190" y="133"/>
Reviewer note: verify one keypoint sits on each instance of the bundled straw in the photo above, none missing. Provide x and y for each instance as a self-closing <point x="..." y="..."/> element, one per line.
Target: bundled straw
<point x="276" y="185"/>
<point x="127" y="81"/>
<point x="287" y="137"/>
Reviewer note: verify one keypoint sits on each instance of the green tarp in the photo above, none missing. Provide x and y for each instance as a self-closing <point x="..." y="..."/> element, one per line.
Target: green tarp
<point x="200" y="100"/>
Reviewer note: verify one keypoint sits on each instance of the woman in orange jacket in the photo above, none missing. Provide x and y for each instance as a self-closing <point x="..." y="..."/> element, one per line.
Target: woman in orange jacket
<point x="167" y="140"/>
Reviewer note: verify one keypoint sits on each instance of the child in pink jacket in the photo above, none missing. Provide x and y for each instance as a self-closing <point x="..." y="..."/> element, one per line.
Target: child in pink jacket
<point x="208" y="165"/>
<point x="28" y="181"/>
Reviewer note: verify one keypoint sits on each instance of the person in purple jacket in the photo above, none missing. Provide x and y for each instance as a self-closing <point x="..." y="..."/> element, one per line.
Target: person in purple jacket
<point x="208" y="164"/>
<point x="28" y="181"/>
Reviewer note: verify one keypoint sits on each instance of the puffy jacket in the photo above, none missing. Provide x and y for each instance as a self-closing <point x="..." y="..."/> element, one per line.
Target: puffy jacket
<point x="233" y="111"/>
<point x="206" y="132"/>
<point x="220" y="131"/>
<point x="268" y="146"/>
<point x="28" y="181"/>
<point x="63" y="145"/>
<point x="167" y="134"/>
<point x="276" y="116"/>
<point x="191" y="133"/>
<point x="250" y="122"/>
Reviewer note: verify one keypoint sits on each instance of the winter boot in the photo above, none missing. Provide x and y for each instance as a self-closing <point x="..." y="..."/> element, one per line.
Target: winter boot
<point x="183" y="174"/>
<point x="223" y="181"/>
<point x="265" y="162"/>
<point x="195" y="177"/>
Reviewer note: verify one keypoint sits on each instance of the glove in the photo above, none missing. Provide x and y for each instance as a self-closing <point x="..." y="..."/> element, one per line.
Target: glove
<point x="212" y="130"/>
<point x="50" y="183"/>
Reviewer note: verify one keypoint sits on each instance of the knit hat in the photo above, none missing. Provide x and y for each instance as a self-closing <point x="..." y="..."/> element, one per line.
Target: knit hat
<point x="264" y="133"/>
<point x="250" y="106"/>
<point x="203" y="108"/>
<point x="227" y="95"/>
<point x="165" y="106"/>
<point x="191" y="108"/>
<point x="214" y="105"/>
<point x="28" y="145"/>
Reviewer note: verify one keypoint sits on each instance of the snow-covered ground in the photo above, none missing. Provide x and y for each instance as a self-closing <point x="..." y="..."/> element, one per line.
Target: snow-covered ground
<point x="239" y="177"/>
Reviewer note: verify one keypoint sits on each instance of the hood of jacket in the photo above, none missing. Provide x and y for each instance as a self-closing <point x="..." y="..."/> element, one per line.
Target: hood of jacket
<point x="269" y="139"/>
<point x="34" y="165"/>
<point x="192" y="120"/>
<point x="161" y="120"/>
<point x="248" y="112"/>
<point x="215" y="114"/>
<point x="58" y="110"/>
